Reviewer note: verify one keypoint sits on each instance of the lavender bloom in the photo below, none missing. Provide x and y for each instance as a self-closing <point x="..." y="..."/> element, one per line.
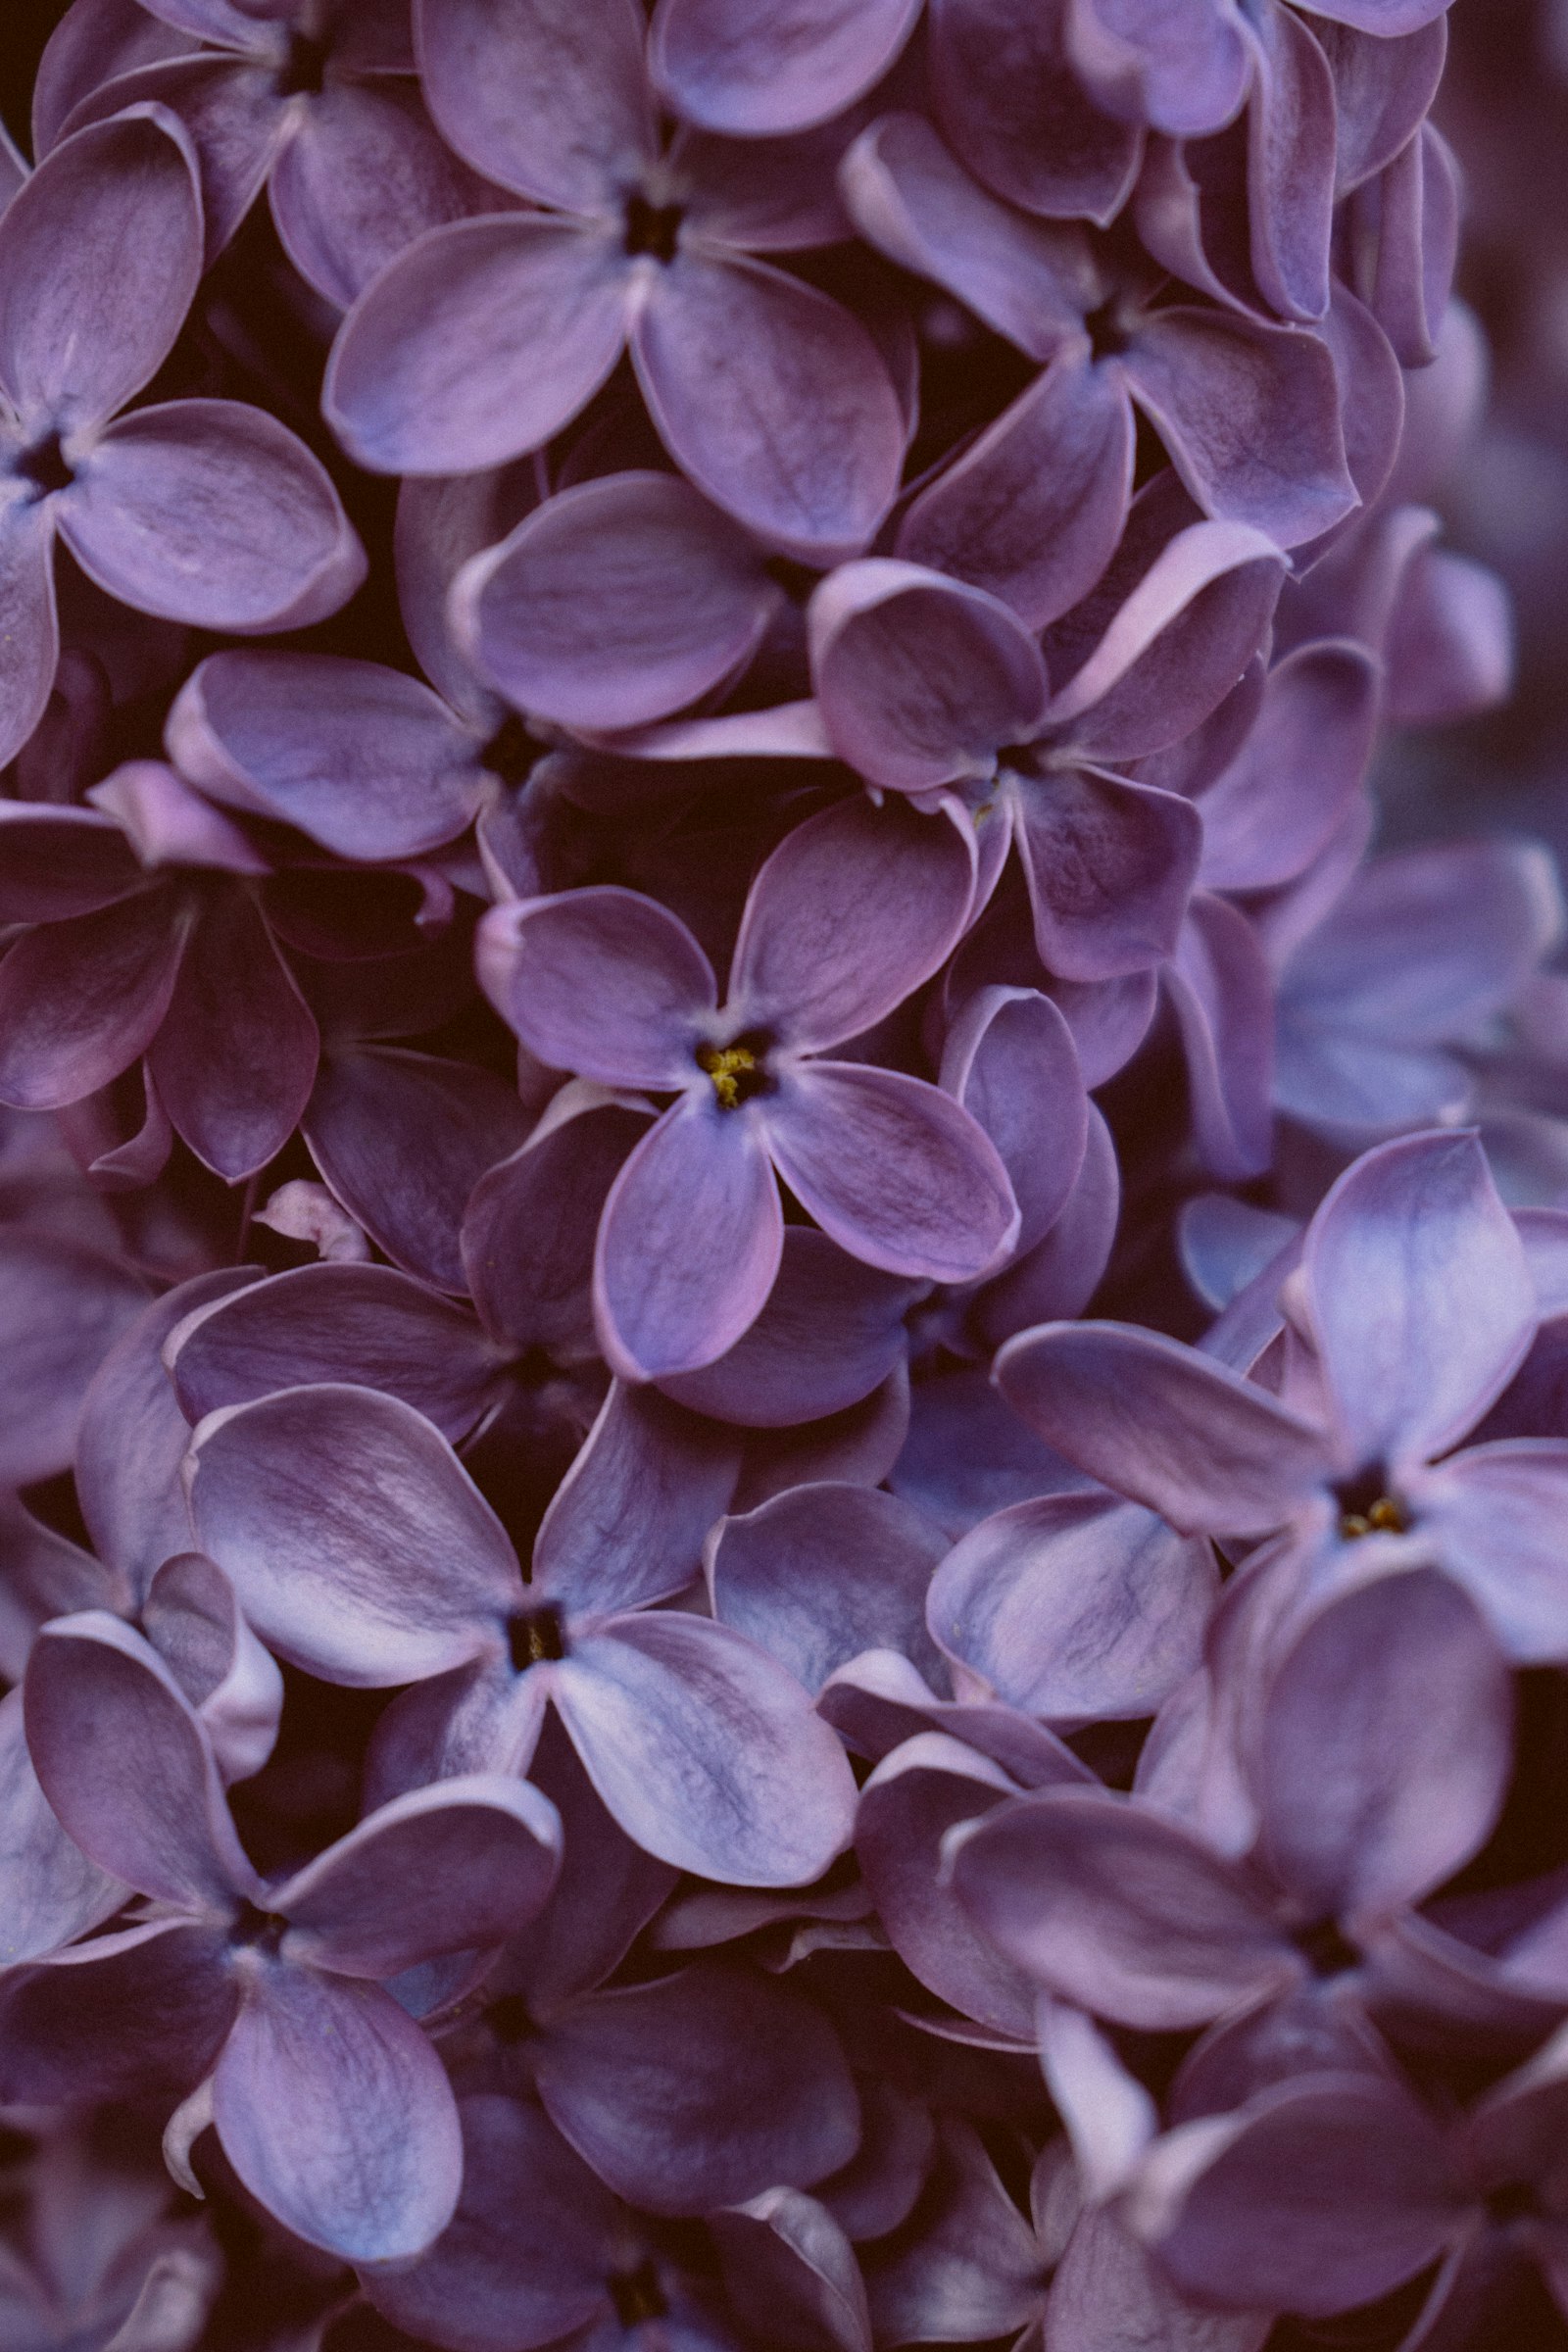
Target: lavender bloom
<point x="318" y="105"/>
<point x="1415" y="1306"/>
<point x="328" y="2100"/>
<point x="704" y="1750"/>
<point x="770" y="396"/>
<point x="198" y="509"/>
<point x="611" y="986"/>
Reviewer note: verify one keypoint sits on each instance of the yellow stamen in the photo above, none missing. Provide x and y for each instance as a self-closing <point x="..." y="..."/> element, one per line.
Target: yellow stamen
<point x="1384" y="1518"/>
<point x="725" y="1065"/>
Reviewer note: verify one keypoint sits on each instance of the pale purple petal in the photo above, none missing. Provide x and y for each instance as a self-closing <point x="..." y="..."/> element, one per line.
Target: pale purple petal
<point x="1012" y="107"/>
<point x="50" y="1894"/>
<point x="191" y="1618"/>
<point x="706" y="1751"/>
<point x="1495" y="1514"/>
<point x="478" y="342"/>
<point x="1384" y="85"/>
<point x="28" y="625"/>
<point x="1181" y="65"/>
<point x="545" y="99"/>
<point x="1291" y="147"/>
<point x="689" y="1243"/>
<point x="1109" y="866"/>
<point x="1219" y="985"/>
<point x="720" y="64"/>
<point x="63" y="1306"/>
<point x="1109" y="2291"/>
<point x="1009" y="1057"/>
<point x="850" y="914"/>
<point x="626" y="1525"/>
<point x="773" y="399"/>
<point x="600" y="982"/>
<point x="383" y="1564"/>
<point x="336" y="2113"/>
<point x="1160" y="1422"/>
<point x="1278" y="804"/>
<point x="1421" y="1300"/>
<point x="823" y="1572"/>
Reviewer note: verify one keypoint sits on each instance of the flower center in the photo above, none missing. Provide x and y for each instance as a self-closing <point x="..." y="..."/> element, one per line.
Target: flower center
<point x="536" y="1636"/>
<point x="256" y="1930"/>
<point x="651" y="228"/>
<point x="46" y="466"/>
<point x="303" y="69"/>
<point x="729" y="1067"/>
<point x="514" y="751"/>
<point x="637" y="2296"/>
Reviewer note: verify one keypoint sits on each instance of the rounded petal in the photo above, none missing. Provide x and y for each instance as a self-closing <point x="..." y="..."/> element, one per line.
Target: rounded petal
<point x="1011" y="104"/>
<point x="336" y="2113"/>
<point x="853" y="911"/>
<point x="920" y="680"/>
<point x="143" y="2009"/>
<point x="689" y="1243"/>
<point x="1109" y="866"/>
<point x="81" y="1000"/>
<point x="107" y="228"/>
<point x="29" y="627"/>
<point x="1181" y="65"/>
<point x="773" y="398"/>
<point x="478" y="342"/>
<point x="706" y="1750"/>
<point x="355" y="1540"/>
<point x="722" y="63"/>
<point x="601" y="982"/>
<point x="893" y="1170"/>
<point x="614" y="603"/>
<point x="547" y="96"/>
<point x="235" y="1055"/>
<point x="211" y="511"/>
<point x="62" y="1308"/>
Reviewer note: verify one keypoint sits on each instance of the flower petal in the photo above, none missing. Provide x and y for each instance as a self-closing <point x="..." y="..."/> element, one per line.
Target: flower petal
<point x="1012" y="107"/>
<point x="1421" y="1300"/>
<point x="706" y="1751"/>
<point x="1279" y="802"/>
<point x="823" y="1572"/>
<point x="478" y="342"/>
<point x="211" y="511"/>
<point x="1109" y="865"/>
<point x="625" y="1526"/>
<point x="81" y="1000"/>
<point x="355" y="1540"/>
<point x="143" y="2009"/>
<point x="1494" y="1515"/>
<point x="600" y="981"/>
<point x="50" y="1894"/>
<point x="893" y="1170"/>
<point x="109" y="227"/>
<point x="1181" y="65"/>
<point x="336" y="2113"/>
<point x="63" y="1306"/>
<point x="234" y="1060"/>
<point x="29" y="626"/>
<point x="551" y="101"/>
<point x="773" y="398"/>
<point x="720" y="64"/>
<point x="689" y="1243"/>
<point x="1166" y="1426"/>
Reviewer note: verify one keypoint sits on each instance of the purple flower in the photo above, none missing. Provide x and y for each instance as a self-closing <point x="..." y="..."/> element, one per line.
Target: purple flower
<point x="320" y="105"/>
<point x="202" y="511"/>
<point x="328" y="2100"/>
<point x="488" y="336"/>
<point x="704" y="1750"/>
<point x="853" y="911"/>
<point x="1413" y="1308"/>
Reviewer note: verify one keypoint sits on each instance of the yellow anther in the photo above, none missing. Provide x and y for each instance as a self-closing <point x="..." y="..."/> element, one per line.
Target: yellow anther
<point x="726" y="1065"/>
<point x="1382" y="1518"/>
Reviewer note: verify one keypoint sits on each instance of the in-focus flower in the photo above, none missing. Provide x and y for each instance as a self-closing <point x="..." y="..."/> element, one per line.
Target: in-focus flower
<point x="204" y="511"/>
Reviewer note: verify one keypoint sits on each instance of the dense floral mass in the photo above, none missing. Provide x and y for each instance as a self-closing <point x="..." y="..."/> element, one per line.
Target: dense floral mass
<point x="784" y="1427"/>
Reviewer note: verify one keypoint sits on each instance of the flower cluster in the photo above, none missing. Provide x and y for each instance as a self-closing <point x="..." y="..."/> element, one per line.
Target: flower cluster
<point x="784" y="1434"/>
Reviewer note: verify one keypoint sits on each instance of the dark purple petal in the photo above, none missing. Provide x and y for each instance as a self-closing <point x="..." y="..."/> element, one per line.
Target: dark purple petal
<point x="1108" y="2291"/>
<point x="403" y="1139"/>
<point x="81" y="1000"/>
<point x="231" y="110"/>
<point x="63" y="1306"/>
<point x="1291" y="142"/>
<point x="107" y="226"/>
<point x="1219" y="985"/>
<point x="463" y="1864"/>
<point x="626" y="1525"/>
<point x="1060" y="1275"/>
<point x="1118" y="1909"/>
<point x="28" y="622"/>
<point x="1279" y="802"/>
<point x="788" y="2265"/>
<point x="823" y="1572"/>
<point x="1384" y="85"/>
<point x="335" y="2112"/>
<point x="773" y="399"/>
<point x="1158" y="1422"/>
<point x="234" y="1060"/>
<point x="1109" y="866"/>
<point x="50" y="1894"/>
<point x="689" y="1243"/>
<point x="1009" y="1059"/>
<point x="970" y="2269"/>
<point x="440" y="365"/>
<point x="699" y="2089"/>
<point x="893" y="1170"/>
<point x="1012" y="107"/>
<point x="365" y="761"/>
<point x="1032" y="510"/>
<point x="1320" y="2195"/>
<point x="61" y="861"/>
<point x="1075" y="1608"/>
<point x="720" y="64"/>
<point x="921" y="680"/>
<point x="143" y="2009"/>
<point x="124" y="1763"/>
<point x="1386" y="1746"/>
<point x="548" y="100"/>
<point x="355" y="1540"/>
<point x="614" y="603"/>
<point x="853" y="911"/>
<point x="706" y="1750"/>
<point x="91" y="44"/>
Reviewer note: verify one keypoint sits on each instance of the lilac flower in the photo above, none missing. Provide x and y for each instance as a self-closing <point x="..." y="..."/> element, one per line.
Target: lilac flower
<point x="199" y="509"/>
<point x="1415" y="1306"/>
<point x="769" y="395"/>
<point x="611" y="986"/>
<point x="1248" y="414"/>
<point x="704" y="1750"/>
<point x="96" y="2262"/>
<point x="320" y="105"/>
<point x="328" y="2100"/>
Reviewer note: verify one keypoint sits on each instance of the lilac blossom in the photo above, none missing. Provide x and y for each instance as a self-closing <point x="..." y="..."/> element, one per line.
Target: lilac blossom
<point x="198" y="509"/>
